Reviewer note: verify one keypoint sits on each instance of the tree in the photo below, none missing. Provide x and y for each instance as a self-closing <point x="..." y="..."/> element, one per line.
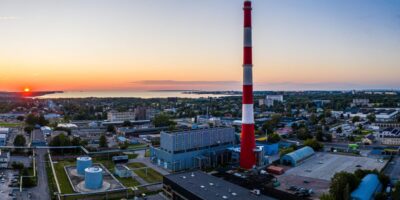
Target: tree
<point x="396" y="192"/>
<point x="274" y="138"/>
<point x="326" y="197"/>
<point x="342" y="183"/>
<point x="30" y="120"/>
<point x="313" y="119"/>
<point x="285" y="151"/>
<point x="339" y="130"/>
<point x="60" y="140"/>
<point x="163" y="120"/>
<point x="126" y="123"/>
<point x="20" y="118"/>
<point x="17" y="165"/>
<point x="103" y="141"/>
<point x="355" y="119"/>
<point x="302" y="134"/>
<point x="19" y="141"/>
<point x="313" y="144"/>
<point x="111" y="128"/>
<point x="371" y="117"/>
<point x="76" y="141"/>
<point x="28" y="129"/>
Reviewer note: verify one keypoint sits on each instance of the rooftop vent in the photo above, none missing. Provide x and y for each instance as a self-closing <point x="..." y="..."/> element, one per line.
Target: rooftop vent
<point x="192" y="175"/>
<point x="211" y="184"/>
<point x="184" y="177"/>
<point x="234" y="194"/>
<point x="202" y="186"/>
<point x="224" y="197"/>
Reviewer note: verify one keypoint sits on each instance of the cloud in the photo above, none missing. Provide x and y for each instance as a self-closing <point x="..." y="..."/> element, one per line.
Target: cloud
<point x="8" y="18"/>
<point x="173" y="82"/>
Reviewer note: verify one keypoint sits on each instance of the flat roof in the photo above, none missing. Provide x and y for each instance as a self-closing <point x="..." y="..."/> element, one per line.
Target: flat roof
<point x="325" y="165"/>
<point x="210" y="187"/>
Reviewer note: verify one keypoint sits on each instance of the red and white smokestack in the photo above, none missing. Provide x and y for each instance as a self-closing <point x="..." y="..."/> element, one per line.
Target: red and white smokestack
<point x="247" y="156"/>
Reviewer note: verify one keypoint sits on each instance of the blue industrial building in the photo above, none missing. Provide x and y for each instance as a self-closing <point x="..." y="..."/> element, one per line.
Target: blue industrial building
<point x="270" y="148"/>
<point x="296" y="157"/>
<point x="367" y="189"/>
<point x="191" y="149"/>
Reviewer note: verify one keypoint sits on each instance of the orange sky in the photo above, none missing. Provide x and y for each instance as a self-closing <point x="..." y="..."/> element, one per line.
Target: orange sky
<point x="130" y="45"/>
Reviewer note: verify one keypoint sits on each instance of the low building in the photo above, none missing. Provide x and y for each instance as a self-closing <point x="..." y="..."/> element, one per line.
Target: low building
<point x="367" y="189"/>
<point x="46" y="130"/>
<point x="4" y="159"/>
<point x="197" y="148"/>
<point x="122" y="171"/>
<point x="198" y="185"/>
<point x="3" y="136"/>
<point x="389" y="136"/>
<point x="360" y="102"/>
<point x="296" y="157"/>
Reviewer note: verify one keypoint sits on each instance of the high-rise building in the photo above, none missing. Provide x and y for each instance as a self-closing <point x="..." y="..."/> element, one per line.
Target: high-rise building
<point x="248" y="144"/>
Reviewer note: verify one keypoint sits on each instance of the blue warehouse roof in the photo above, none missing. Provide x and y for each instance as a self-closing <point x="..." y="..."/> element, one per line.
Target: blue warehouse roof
<point x="368" y="187"/>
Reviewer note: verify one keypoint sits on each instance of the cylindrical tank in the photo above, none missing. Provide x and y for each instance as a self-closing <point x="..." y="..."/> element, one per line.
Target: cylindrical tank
<point x="82" y="163"/>
<point x="93" y="178"/>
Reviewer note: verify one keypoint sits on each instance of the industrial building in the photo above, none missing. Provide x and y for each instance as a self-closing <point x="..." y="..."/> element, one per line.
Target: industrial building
<point x="296" y="157"/>
<point x="4" y="159"/>
<point x="198" y="185"/>
<point x="3" y="136"/>
<point x="122" y="171"/>
<point x="197" y="148"/>
<point x="367" y="189"/>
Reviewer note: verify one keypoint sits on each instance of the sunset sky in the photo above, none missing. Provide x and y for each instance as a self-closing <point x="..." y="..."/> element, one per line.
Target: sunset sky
<point x="197" y="44"/>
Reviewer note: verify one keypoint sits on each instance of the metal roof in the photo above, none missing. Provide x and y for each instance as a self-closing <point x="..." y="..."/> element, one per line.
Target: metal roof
<point x="367" y="188"/>
<point x="209" y="187"/>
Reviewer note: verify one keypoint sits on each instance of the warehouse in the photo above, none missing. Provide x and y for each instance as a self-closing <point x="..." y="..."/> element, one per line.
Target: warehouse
<point x="367" y="189"/>
<point x="296" y="157"/>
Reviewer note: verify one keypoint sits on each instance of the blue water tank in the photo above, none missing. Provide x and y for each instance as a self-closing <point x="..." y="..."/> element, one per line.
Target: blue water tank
<point x="82" y="163"/>
<point x="93" y="178"/>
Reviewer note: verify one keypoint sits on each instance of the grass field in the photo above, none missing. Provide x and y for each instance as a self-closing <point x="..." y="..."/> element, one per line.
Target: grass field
<point x="9" y="125"/>
<point x="62" y="177"/>
<point x="137" y="146"/>
<point x="152" y="175"/>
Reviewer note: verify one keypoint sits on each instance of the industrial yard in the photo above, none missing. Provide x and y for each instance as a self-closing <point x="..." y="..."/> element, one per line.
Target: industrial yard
<point x="325" y="165"/>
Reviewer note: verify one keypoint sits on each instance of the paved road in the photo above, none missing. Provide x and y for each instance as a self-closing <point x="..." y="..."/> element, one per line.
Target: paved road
<point x="41" y="191"/>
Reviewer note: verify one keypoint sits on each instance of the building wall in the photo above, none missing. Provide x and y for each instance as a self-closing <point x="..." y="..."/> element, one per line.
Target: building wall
<point x="193" y="149"/>
<point x="196" y="139"/>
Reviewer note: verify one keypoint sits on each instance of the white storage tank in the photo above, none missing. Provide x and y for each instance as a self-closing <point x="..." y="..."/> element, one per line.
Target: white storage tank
<point x="93" y="178"/>
<point x="82" y="163"/>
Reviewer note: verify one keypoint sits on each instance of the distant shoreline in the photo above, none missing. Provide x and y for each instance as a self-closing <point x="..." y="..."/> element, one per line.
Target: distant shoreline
<point x="30" y="94"/>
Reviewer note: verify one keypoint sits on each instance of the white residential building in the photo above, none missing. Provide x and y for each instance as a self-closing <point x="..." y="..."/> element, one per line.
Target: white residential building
<point x="115" y="116"/>
<point x="270" y="99"/>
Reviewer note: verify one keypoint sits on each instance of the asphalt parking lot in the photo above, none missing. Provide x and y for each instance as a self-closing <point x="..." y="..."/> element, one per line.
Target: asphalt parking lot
<point x="5" y="180"/>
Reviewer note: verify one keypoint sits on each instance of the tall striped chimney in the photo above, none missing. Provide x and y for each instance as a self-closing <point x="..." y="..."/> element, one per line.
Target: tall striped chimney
<point x="247" y="156"/>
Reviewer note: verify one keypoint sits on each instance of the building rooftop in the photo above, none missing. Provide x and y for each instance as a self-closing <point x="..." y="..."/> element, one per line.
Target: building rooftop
<point x="209" y="187"/>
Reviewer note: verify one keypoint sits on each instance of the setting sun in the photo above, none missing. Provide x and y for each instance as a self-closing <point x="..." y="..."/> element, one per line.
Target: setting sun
<point x="27" y="89"/>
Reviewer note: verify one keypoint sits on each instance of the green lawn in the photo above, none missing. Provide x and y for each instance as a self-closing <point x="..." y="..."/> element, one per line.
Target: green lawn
<point x="62" y="177"/>
<point x="132" y="156"/>
<point x="135" y="165"/>
<point x="9" y="125"/>
<point x="127" y="182"/>
<point x="137" y="146"/>
<point x="152" y="175"/>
